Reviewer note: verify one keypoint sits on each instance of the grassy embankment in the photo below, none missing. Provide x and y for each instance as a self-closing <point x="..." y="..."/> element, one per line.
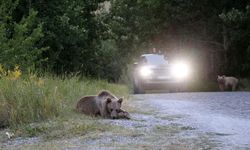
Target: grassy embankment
<point x="32" y="105"/>
<point x="208" y="85"/>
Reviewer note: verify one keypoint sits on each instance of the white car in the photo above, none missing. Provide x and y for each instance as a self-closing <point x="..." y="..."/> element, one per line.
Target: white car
<point x="153" y="71"/>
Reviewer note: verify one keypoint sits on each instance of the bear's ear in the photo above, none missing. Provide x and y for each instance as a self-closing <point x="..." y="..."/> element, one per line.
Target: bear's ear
<point x="120" y="100"/>
<point x="108" y="100"/>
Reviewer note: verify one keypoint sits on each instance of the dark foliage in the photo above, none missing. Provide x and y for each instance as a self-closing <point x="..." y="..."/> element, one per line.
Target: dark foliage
<point x="100" y="38"/>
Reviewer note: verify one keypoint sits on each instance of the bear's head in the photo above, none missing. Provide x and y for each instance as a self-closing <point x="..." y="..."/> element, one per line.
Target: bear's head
<point x="221" y="79"/>
<point x="114" y="107"/>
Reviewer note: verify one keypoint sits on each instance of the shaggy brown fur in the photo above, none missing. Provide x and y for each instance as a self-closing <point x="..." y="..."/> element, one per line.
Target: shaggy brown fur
<point x="104" y="104"/>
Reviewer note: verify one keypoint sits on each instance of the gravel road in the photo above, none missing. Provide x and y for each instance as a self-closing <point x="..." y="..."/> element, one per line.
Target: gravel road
<point x="172" y="121"/>
<point x="226" y="115"/>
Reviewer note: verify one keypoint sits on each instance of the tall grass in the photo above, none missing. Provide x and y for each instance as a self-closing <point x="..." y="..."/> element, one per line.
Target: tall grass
<point x="34" y="99"/>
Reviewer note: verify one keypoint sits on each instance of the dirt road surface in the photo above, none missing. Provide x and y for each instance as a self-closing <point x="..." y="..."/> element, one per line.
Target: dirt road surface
<point x="181" y="121"/>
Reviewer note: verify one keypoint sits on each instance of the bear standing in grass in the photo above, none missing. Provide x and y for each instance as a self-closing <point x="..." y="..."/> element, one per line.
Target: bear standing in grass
<point x="104" y="104"/>
<point x="226" y="83"/>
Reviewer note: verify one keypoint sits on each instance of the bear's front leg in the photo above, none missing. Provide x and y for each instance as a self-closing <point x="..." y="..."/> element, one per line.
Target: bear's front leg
<point x="221" y="87"/>
<point x="104" y="113"/>
<point x="233" y="87"/>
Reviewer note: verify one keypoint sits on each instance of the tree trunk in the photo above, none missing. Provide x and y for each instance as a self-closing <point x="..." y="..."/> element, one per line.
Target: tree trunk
<point x="225" y="44"/>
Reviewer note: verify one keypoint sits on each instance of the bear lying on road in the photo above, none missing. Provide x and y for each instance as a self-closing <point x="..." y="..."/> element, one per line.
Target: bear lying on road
<point x="104" y="104"/>
<point x="227" y="83"/>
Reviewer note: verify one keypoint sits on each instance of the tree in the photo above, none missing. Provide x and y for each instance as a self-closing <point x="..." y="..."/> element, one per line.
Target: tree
<point x="70" y="32"/>
<point x="19" y="37"/>
<point x="237" y="27"/>
<point x="188" y="27"/>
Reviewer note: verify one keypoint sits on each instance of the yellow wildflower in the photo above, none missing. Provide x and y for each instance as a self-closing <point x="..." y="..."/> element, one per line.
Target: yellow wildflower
<point x="17" y="72"/>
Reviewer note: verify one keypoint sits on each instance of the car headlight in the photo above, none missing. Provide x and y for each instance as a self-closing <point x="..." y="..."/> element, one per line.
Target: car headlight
<point x="145" y="71"/>
<point x="180" y="70"/>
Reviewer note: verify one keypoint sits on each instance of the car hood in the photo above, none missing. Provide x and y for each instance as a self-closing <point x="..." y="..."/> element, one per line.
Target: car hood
<point x="159" y="66"/>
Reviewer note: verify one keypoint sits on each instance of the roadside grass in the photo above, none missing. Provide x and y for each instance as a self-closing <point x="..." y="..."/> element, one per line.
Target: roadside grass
<point x="172" y="129"/>
<point x="201" y="85"/>
<point x="76" y="131"/>
<point x="246" y="83"/>
<point x="34" y="105"/>
<point x="92" y="133"/>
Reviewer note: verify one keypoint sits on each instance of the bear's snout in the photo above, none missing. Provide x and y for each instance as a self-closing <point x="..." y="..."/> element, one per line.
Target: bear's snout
<point x="113" y="115"/>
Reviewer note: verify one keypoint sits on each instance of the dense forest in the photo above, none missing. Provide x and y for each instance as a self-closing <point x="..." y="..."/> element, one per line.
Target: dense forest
<point x="99" y="39"/>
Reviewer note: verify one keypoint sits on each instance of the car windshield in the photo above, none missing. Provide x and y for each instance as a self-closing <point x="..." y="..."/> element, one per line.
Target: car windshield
<point x="156" y="59"/>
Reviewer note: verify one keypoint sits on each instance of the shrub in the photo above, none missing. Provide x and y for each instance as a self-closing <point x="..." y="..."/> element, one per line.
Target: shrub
<point x="30" y="99"/>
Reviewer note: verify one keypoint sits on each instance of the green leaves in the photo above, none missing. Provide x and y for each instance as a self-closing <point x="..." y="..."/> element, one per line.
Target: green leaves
<point x="96" y="38"/>
<point x="18" y="40"/>
<point x="237" y="27"/>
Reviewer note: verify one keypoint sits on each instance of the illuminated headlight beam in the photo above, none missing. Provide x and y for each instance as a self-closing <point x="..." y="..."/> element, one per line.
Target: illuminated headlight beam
<point x="180" y="70"/>
<point x="145" y="71"/>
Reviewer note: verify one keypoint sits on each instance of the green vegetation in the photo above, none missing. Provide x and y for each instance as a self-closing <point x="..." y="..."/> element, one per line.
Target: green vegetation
<point x="19" y="37"/>
<point x="78" y="47"/>
<point x="245" y="84"/>
<point x="200" y="85"/>
<point x="66" y="126"/>
<point x="100" y="38"/>
<point x="32" y="98"/>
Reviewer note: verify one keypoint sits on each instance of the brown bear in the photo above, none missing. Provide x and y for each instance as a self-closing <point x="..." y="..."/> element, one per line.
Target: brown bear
<point x="227" y="83"/>
<point x="104" y="104"/>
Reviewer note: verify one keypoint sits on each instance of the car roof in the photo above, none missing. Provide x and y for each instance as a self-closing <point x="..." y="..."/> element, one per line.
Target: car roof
<point x="148" y="55"/>
<point x="155" y="58"/>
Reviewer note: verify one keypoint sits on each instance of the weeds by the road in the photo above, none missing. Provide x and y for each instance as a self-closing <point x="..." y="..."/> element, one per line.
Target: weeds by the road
<point x="146" y="130"/>
<point x="246" y="84"/>
<point x="200" y="85"/>
<point x="33" y="99"/>
<point x="172" y="129"/>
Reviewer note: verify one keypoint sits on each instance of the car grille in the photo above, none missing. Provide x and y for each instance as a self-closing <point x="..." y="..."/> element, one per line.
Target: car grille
<point x="161" y="72"/>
